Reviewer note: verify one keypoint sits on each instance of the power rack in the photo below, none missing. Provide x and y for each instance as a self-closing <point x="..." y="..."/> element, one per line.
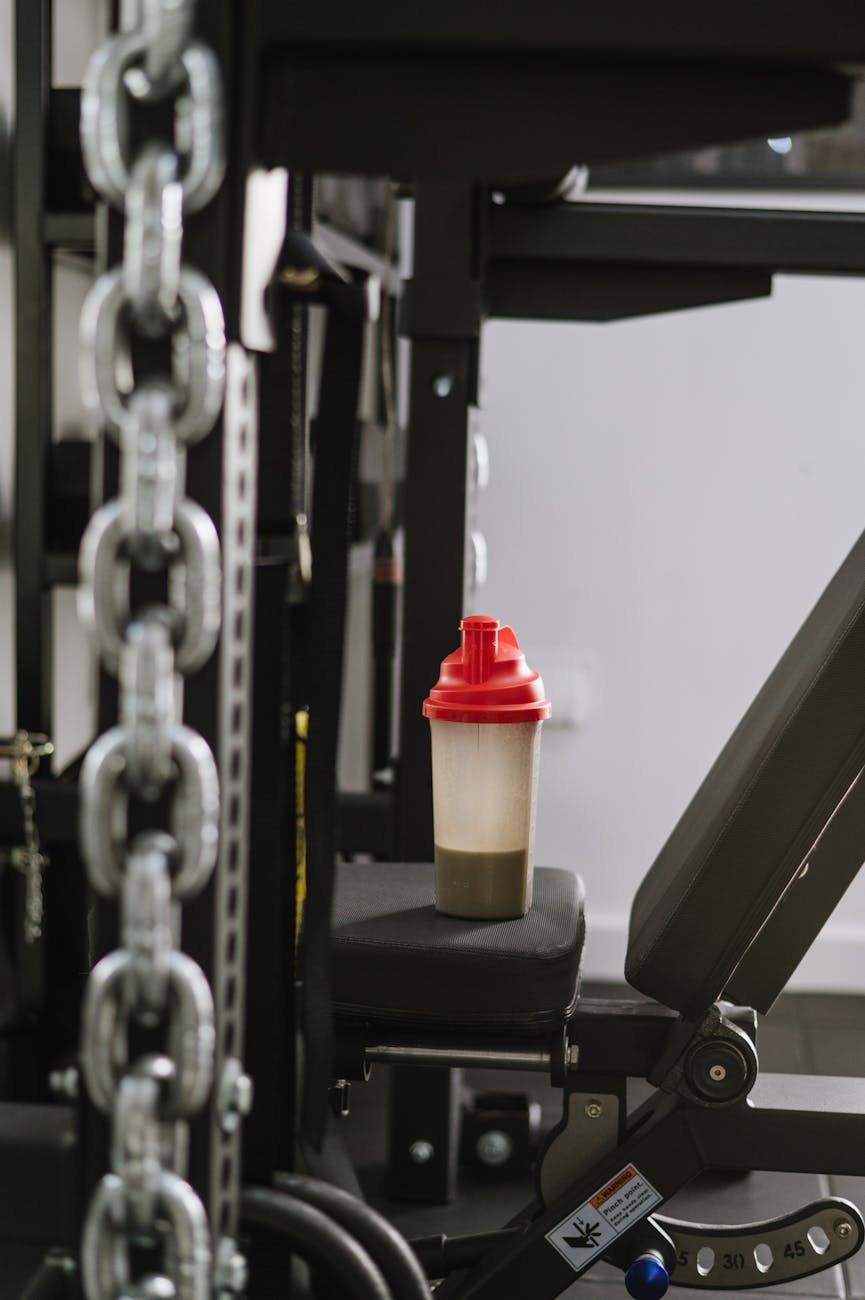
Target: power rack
<point x="460" y="112"/>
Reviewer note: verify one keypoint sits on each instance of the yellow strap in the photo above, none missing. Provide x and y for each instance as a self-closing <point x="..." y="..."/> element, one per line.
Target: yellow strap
<point x="301" y="733"/>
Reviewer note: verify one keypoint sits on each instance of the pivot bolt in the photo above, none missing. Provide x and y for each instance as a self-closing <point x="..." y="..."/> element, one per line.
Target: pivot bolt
<point x="718" y="1072"/>
<point x="421" y="1152"/>
<point x="594" y="1109"/>
<point x="843" y="1228"/>
<point x="494" y="1148"/>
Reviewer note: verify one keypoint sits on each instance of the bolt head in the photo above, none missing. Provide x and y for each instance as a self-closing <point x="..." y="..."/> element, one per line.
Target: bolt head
<point x="443" y="385"/>
<point x="243" y="1094"/>
<point x="340" y="1098"/>
<point x="573" y="1057"/>
<point x="421" y="1152"/>
<point x="232" y="1271"/>
<point x="717" y="1073"/>
<point x="843" y="1228"/>
<point x="64" y="1083"/>
<point x="235" y="1095"/>
<point x="594" y="1109"/>
<point x="494" y="1148"/>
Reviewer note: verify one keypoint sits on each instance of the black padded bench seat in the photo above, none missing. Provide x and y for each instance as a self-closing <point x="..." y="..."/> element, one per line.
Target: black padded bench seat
<point x="396" y="959"/>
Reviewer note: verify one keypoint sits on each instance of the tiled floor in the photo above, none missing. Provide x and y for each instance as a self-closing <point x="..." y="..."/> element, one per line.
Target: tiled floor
<point x="810" y="1034"/>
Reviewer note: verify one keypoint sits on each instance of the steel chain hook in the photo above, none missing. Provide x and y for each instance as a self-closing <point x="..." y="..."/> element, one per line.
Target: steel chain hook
<point x="151" y="755"/>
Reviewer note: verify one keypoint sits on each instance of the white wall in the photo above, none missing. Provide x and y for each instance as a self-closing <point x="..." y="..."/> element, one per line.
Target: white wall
<point x="668" y="497"/>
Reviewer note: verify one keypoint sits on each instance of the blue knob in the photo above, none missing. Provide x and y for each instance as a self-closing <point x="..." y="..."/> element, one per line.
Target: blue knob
<point x="647" y="1278"/>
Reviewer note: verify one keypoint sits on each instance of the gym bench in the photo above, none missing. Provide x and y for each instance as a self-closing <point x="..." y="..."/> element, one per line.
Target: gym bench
<point x="754" y="868"/>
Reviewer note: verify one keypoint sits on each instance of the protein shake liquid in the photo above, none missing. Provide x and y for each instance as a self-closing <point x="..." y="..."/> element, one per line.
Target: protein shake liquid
<point x="485" y="716"/>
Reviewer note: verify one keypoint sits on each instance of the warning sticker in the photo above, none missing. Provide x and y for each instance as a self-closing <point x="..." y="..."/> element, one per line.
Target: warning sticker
<point x="591" y="1229"/>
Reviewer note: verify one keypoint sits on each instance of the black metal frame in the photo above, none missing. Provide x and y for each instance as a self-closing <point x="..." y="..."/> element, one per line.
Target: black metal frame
<point x="525" y="102"/>
<point x="52" y="482"/>
<point x="779" y="33"/>
<point x="604" y="261"/>
<point x="789" y="1123"/>
<point x="33" y="378"/>
<point x="469" y="110"/>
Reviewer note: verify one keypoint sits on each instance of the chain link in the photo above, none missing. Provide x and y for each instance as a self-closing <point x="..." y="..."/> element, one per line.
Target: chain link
<point x="194" y="811"/>
<point x="150" y="471"/>
<point x="194" y="583"/>
<point x="198" y="128"/>
<point x="198" y="353"/>
<point x="147" y="703"/>
<point x="30" y="860"/>
<point x="153" y="239"/>
<point x="151" y="756"/>
<point x="106" y="1247"/>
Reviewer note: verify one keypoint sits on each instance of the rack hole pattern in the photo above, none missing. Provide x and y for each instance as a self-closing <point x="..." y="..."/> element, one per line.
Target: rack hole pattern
<point x="239" y="472"/>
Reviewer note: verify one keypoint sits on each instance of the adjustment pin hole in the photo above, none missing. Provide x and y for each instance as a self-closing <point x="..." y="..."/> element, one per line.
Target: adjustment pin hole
<point x="818" y="1239"/>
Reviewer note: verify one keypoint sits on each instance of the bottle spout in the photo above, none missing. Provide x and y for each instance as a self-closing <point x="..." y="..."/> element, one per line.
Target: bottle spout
<point x="480" y="636"/>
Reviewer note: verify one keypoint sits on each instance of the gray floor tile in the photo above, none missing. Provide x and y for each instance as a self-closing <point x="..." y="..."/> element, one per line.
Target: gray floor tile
<point x="854" y="1190"/>
<point x="835" y="1049"/>
<point x="782" y="1046"/>
<point x="832" y="1009"/>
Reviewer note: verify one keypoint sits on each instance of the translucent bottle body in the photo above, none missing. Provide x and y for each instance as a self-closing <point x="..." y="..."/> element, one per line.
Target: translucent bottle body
<point x="485" y="782"/>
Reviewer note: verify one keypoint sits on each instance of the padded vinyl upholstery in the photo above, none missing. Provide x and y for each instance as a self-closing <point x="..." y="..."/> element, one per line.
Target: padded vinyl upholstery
<point x="755" y="817"/>
<point x="395" y="958"/>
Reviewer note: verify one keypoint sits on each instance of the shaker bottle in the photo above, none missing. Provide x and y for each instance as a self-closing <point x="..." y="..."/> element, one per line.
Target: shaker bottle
<point x="485" y="716"/>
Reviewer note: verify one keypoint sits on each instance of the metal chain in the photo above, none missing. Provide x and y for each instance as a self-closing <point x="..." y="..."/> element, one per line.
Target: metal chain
<point x="145" y="1207"/>
<point x="24" y="750"/>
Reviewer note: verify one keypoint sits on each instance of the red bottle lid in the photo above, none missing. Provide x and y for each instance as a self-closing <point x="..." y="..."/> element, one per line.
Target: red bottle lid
<point x="487" y="679"/>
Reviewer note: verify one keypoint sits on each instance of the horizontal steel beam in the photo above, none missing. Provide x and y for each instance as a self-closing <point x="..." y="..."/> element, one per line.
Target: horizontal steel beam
<point x="786" y="240"/>
<point x="475" y="117"/>
<point x="773" y="31"/>
<point x="796" y="1123"/>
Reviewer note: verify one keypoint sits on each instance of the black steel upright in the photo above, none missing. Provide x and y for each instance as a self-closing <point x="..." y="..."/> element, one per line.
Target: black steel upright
<point x="33" y="386"/>
<point x="441" y="316"/>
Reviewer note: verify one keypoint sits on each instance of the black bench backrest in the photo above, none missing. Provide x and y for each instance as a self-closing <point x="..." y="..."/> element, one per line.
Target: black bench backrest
<point x="735" y="855"/>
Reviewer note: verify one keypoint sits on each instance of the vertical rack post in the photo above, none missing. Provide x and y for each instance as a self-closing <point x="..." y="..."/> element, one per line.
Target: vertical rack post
<point x="442" y="318"/>
<point x="33" y="376"/>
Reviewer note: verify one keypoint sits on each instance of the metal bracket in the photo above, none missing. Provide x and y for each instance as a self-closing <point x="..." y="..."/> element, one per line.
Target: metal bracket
<point x="592" y="1125"/>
